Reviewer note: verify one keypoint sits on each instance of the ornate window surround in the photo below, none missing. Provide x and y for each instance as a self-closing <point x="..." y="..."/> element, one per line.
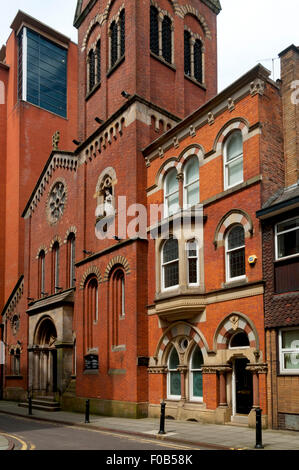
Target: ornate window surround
<point x="117" y="19"/>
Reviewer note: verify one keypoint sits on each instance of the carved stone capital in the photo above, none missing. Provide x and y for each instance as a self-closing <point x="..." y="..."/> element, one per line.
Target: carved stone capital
<point x="157" y="370"/>
<point x="257" y="87"/>
<point x="257" y="368"/>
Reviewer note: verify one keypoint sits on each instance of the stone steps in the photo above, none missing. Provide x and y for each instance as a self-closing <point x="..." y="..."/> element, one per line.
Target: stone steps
<point x="42" y="403"/>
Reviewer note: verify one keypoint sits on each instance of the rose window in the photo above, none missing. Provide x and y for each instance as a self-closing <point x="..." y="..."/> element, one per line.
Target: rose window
<point x="57" y="201"/>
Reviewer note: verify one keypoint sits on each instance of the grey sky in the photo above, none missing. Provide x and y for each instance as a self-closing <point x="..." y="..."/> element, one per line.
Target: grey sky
<point x="248" y="31"/>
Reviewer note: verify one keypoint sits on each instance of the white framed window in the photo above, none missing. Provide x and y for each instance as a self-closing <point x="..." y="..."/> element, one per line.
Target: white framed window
<point x="171" y="193"/>
<point x="191" y="182"/>
<point x="196" y="362"/>
<point x="289" y="350"/>
<point x="235" y="253"/>
<point x="173" y="376"/>
<point x="287" y="239"/>
<point x="192" y="263"/>
<point x="170" y="264"/>
<point x="233" y="160"/>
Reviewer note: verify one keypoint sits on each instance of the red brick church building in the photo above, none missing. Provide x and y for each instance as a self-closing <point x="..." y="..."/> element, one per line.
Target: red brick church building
<point x="109" y="296"/>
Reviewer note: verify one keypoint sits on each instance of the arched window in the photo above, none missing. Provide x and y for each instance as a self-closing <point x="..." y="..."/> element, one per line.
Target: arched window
<point x="91" y="64"/>
<point x="170" y="264"/>
<point x="198" y="75"/>
<point x="114" y="43"/>
<point x="235" y="253"/>
<point x="118" y="302"/>
<point x="166" y="39"/>
<point x="171" y="193"/>
<point x="192" y="256"/>
<point x="173" y="376"/>
<point x="233" y="157"/>
<point x="187" y="53"/>
<point x="154" y="30"/>
<point x="122" y="33"/>
<point x="41" y="274"/>
<point x="191" y="182"/>
<point x="71" y="253"/>
<point x="91" y="311"/>
<point x="98" y="56"/>
<point x="117" y="38"/>
<point x="55" y="267"/>
<point x="196" y="363"/>
<point x="239" y="340"/>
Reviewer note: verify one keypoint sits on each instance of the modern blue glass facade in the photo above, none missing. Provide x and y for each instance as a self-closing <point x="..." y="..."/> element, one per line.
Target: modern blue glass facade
<point x="42" y="72"/>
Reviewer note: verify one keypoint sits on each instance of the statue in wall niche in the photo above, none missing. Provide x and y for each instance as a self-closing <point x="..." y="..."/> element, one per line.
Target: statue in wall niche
<point x="108" y="202"/>
<point x="106" y="199"/>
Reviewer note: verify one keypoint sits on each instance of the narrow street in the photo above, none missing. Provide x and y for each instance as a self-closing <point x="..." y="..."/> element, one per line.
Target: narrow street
<point x="27" y="434"/>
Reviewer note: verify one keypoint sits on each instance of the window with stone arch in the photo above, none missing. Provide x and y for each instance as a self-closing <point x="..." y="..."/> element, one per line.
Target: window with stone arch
<point x="233" y="159"/>
<point x="191" y="182"/>
<point x="117" y="37"/>
<point x="173" y="375"/>
<point x="195" y="375"/>
<point x="170" y="264"/>
<point x="171" y="193"/>
<point x="235" y="253"/>
<point x="118" y="300"/>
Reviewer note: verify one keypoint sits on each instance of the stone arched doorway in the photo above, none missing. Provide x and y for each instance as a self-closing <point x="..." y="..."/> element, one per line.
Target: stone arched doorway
<point x="45" y="358"/>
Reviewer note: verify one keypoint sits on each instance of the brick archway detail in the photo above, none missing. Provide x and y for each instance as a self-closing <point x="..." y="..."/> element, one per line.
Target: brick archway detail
<point x="233" y="323"/>
<point x="118" y="260"/>
<point x="234" y="216"/>
<point x="92" y="270"/>
<point x="179" y="329"/>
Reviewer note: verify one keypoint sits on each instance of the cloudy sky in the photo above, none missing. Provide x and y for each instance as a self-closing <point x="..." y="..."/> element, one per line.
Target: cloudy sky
<point x="248" y="31"/>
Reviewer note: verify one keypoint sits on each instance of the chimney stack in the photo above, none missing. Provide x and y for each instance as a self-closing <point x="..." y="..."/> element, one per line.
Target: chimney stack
<point x="289" y="63"/>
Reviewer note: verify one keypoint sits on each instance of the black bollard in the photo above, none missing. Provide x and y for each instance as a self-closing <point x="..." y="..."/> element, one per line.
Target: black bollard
<point x="258" y="429"/>
<point x="30" y="406"/>
<point x="87" y="412"/>
<point x="162" y="418"/>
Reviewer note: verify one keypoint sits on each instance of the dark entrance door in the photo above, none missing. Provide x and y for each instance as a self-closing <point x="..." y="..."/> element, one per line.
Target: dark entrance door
<point x="244" y="390"/>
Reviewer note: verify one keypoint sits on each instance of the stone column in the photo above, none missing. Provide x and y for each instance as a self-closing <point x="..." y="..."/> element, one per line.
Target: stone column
<point x="256" y="369"/>
<point x="183" y="370"/>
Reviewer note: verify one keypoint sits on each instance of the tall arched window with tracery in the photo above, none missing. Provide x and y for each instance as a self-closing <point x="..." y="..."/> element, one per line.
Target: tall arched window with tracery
<point x="55" y="267"/>
<point x="91" y="69"/>
<point x="195" y="374"/>
<point x="187" y="53"/>
<point x="71" y="253"/>
<point x="154" y="30"/>
<point x="98" y="60"/>
<point x="173" y="376"/>
<point x="171" y="193"/>
<point x="41" y="273"/>
<point x="198" y="62"/>
<point x="118" y="303"/>
<point x="166" y="39"/>
<point x="117" y="38"/>
<point x="191" y="182"/>
<point x="91" y="311"/>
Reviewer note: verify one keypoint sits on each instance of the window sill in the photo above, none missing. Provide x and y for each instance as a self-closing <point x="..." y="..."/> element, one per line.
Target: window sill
<point x="236" y="283"/>
<point x="91" y="372"/>
<point x="193" y="80"/>
<point x="91" y="92"/>
<point x="163" y="61"/>
<point x="115" y="66"/>
<point x="286" y="259"/>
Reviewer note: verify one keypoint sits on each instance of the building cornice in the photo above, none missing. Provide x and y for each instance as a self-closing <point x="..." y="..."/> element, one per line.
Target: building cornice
<point x="252" y="83"/>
